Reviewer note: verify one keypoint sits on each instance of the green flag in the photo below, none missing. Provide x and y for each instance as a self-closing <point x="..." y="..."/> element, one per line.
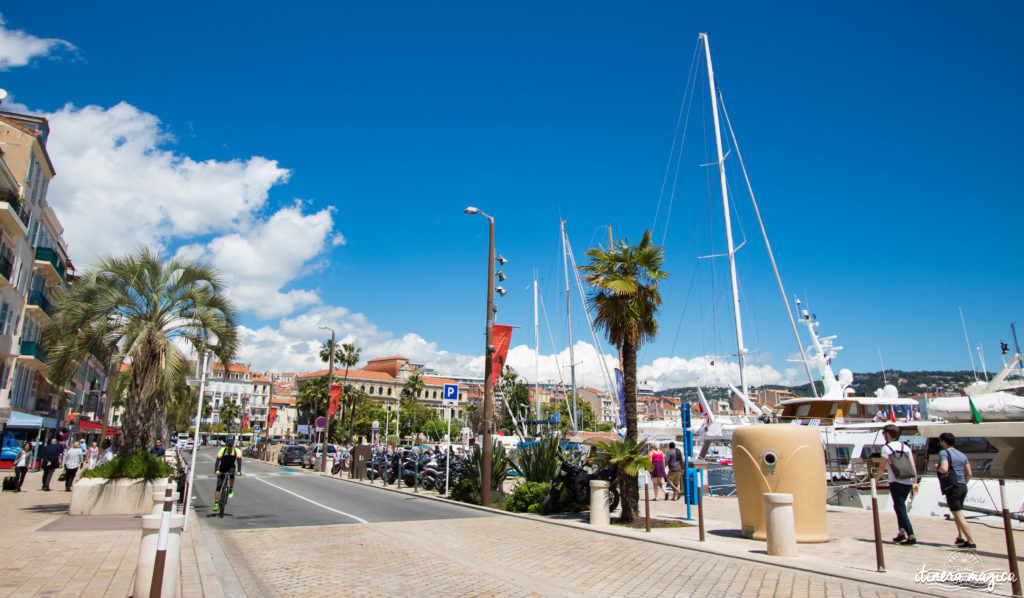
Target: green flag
<point x="975" y="416"/>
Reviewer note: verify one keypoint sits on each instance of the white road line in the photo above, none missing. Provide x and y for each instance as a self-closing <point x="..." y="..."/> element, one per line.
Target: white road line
<point x="359" y="519"/>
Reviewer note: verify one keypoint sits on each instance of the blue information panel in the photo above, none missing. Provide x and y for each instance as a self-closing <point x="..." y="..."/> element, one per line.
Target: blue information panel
<point x="451" y="393"/>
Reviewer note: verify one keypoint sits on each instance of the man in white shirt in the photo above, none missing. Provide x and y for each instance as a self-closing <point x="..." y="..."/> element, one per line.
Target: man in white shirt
<point x="73" y="459"/>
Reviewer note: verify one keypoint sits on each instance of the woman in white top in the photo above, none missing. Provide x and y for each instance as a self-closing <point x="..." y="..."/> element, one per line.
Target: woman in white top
<point x="21" y="463"/>
<point x="73" y="459"/>
<point x="91" y="455"/>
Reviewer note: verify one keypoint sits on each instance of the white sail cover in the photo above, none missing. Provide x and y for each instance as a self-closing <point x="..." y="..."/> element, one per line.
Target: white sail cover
<point x="993" y="407"/>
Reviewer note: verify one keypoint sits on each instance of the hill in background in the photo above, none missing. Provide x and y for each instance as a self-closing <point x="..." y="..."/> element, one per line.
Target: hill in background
<point x="864" y="384"/>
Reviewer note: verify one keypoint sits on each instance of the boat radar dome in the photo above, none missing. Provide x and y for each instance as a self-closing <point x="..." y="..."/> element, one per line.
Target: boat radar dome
<point x="845" y="377"/>
<point x="891" y="392"/>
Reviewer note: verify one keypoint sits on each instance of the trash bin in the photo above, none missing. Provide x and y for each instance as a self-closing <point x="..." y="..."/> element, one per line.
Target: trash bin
<point x="599" y="503"/>
<point x="786" y="459"/>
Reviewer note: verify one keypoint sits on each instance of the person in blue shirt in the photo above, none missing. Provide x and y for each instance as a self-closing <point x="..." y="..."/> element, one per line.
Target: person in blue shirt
<point x="950" y="458"/>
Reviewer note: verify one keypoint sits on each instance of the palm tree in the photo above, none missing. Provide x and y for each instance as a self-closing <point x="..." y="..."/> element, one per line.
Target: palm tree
<point x="229" y="413"/>
<point x="626" y="299"/>
<point x="411" y="389"/>
<point x="147" y="310"/>
<point x="326" y="348"/>
<point x="349" y="356"/>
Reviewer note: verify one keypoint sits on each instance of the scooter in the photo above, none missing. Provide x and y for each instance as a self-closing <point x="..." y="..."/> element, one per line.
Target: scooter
<point x="576" y="481"/>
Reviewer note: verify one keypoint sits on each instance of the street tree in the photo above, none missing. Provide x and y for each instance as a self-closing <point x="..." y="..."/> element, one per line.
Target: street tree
<point x="516" y="396"/>
<point x="228" y="414"/>
<point x="625" y="298"/>
<point x="349" y="356"/>
<point x="144" y="310"/>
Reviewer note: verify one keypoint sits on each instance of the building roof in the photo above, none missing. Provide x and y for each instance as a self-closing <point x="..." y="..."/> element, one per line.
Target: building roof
<point x="431" y="380"/>
<point x="392" y="358"/>
<point x="232" y="367"/>
<point x="357" y="374"/>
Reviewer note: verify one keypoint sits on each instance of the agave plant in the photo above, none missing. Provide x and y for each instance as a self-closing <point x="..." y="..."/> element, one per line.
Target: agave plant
<point x="628" y="457"/>
<point x="539" y="461"/>
<point x="499" y="468"/>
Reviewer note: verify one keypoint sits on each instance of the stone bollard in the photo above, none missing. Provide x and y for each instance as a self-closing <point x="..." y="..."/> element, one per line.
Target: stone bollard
<point x="599" y="503"/>
<point x="780" y="529"/>
<point x="147" y="556"/>
<point x="158" y="500"/>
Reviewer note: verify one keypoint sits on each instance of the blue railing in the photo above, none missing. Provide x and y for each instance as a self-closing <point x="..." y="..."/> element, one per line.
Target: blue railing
<point x="47" y="254"/>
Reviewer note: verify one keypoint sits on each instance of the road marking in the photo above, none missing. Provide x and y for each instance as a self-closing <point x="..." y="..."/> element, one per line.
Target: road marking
<point x="359" y="519"/>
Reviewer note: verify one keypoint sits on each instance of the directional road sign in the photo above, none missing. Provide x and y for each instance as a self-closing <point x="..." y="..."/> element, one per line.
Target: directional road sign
<point x="451" y="395"/>
<point x="321" y="423"/>
<point x="256" y="429"/>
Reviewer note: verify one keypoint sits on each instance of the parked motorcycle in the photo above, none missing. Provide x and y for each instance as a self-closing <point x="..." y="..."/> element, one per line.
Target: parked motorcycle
<point x="576" y="480"/>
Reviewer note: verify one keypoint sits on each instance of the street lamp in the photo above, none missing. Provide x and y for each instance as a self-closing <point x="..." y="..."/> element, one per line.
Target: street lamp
<point x="330" y="383"/>
<point x="485" y="465"/>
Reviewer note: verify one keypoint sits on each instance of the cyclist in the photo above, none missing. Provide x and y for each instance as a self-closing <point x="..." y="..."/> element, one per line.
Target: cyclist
<point x="229" y="459"/>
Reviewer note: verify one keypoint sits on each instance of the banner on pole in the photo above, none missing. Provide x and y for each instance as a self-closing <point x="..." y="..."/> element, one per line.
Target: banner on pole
<point x="271" y="417"/>
<point x="621" y="394"/>
<point x="502" y="337"/>
<point x="335" y="400"/>
<point x="245" y="423"/>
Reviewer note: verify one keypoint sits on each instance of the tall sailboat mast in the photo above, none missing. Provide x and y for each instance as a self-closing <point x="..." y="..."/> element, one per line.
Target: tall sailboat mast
<point x="536" y="351"/>
<point x="740" y="351"/>
<point x="568" y="315"/>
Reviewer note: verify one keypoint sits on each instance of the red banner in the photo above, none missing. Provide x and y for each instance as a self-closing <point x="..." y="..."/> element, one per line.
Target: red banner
<point x="335" y="399"/>
<point x="502" y="337"/>
<point x="273" y="415"/>
<point x="245" y="423"/>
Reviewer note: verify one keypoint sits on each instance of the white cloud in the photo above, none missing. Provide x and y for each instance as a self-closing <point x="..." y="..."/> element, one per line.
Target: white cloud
<point x="18" y="48"/>
<point x="259" y="261"/>
<point x="117" y="188"/>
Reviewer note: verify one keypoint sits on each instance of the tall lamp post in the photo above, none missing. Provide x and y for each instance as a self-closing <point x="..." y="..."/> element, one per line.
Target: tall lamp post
<point x="330" y="383"/>
<point x="485" y="465"/>
<point x="107" y="399"/>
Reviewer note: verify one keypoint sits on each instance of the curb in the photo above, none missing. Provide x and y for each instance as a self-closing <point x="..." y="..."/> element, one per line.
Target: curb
<point x="870" y="576"/>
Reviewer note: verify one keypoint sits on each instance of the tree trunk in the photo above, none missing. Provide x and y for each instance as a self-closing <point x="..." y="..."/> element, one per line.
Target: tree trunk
<point x="628" y="484"/>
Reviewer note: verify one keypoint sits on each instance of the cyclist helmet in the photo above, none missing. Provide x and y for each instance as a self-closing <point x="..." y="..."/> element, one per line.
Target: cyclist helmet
<point x="230" y="441"/>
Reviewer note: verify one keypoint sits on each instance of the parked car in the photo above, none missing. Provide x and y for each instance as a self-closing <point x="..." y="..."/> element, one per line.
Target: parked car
<point x="291" y="455"/>
<point x="312" y="457"/>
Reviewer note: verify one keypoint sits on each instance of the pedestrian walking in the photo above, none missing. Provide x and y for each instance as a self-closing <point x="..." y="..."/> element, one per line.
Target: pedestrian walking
<point x="21" y="464"/>
<point x="898" y="460"/>
<point x="658" y="475"/>
<point x="73" y="459"/>
<point x="107" y="454"/>
<point x="674" y="462"/>
<point x="158" y="449"/>
<point x="92" y="454"/>
<point x="954" y="472"/>
<point x="51" y="461"/>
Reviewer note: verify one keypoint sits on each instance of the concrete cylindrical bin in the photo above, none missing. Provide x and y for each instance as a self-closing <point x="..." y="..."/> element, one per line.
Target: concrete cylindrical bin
<point x="780" y="458"/>
<point x="779" y="526"/>
<point x="158" y="500"/>
<point x="599" y="503"/>
<point x="147" y="556"/>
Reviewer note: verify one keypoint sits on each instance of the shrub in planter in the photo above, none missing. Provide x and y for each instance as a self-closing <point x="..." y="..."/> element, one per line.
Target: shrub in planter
<point x="526" y="498"/>
<point x="138" y="465"/>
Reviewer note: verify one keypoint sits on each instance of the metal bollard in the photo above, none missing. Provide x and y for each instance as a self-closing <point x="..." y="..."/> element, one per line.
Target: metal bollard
<point x="879" y="556"/>
<point x="700" y="513"/>
<point x="1011" y="549"/>
<point x="647" y="507"/>
<point x="416" y="486"/>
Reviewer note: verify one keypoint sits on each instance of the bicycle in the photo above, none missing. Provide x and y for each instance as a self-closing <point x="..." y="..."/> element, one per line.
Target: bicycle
<point x="224" y="489"/>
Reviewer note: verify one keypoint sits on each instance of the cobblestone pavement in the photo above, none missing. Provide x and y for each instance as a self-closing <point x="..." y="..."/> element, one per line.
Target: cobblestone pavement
<point x="44" y="552"/>
<point x="498" y="556"/>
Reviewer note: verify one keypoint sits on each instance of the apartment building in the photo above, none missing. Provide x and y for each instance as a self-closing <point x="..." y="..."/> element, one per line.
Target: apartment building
<point x="34" y="271"/>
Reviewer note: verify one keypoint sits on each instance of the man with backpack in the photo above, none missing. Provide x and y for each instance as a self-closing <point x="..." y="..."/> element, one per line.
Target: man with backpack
<point x="898" y="459"/>
<point x="674" y="463"/>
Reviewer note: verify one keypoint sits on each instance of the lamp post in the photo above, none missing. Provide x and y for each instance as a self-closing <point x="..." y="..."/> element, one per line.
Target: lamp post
<point x="107" y="399"/>
<point x="330" y="383"/>
<point x="485" y="465"/>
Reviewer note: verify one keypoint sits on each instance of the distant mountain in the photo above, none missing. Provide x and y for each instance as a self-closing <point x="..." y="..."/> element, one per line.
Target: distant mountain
<point x="864" y="384"/>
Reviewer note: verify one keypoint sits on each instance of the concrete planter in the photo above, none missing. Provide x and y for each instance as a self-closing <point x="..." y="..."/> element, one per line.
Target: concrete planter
<point x="96" y="496"/>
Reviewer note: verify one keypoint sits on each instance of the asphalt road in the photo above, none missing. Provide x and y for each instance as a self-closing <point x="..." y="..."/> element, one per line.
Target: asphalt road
<point x="268" y="496"/>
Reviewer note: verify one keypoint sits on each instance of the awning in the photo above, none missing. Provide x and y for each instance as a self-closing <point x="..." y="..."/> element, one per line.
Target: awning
<point x="24" y="420"/>
<point x="89" y="425"/>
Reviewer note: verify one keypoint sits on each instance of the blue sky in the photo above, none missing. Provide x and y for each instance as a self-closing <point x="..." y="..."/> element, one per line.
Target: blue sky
<point x="322" y="156"/>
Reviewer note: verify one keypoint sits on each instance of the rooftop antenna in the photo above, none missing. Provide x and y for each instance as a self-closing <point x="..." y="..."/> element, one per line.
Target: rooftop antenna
<point x="884" y="380"/>
<point x="969" y="352"/>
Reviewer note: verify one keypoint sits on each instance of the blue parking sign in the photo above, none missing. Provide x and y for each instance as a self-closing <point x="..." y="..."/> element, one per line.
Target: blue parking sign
<point x="451" y="392"/>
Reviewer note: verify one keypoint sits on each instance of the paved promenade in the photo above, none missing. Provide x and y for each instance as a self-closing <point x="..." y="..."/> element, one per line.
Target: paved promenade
<point x="47" y="553"/>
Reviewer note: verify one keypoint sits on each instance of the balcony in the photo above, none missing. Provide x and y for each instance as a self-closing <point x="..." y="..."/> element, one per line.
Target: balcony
<point x="32" y="354"/>
<point x="37" y="300"/>
<point x="50" y="264"/>
<point x="13" y="214"/>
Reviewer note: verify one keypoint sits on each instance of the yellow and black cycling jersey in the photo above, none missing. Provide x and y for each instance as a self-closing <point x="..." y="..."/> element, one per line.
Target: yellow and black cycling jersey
<point x="228" y="458"/>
